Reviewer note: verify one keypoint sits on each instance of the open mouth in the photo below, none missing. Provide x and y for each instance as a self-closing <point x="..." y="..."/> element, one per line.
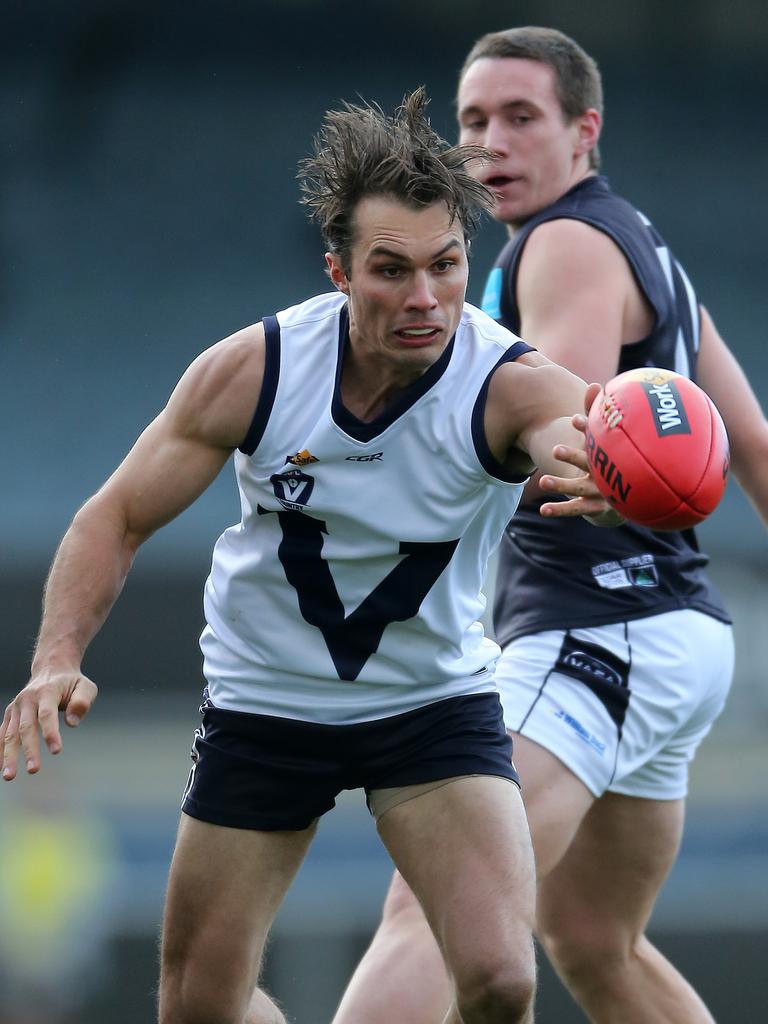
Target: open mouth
<point x="418" y="335"/>
<point x="500" y="181"/>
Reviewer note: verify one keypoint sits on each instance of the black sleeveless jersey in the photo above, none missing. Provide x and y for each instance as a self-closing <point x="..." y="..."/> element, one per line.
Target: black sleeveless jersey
<point x="565" y="573"/>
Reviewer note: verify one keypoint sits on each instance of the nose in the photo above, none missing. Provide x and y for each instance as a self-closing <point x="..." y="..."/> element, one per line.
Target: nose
<point x="495" y="137"/>
<point x="421" y="295"/>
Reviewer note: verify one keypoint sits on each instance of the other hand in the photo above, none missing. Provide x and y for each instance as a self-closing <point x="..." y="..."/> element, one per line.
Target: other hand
<point x="35" y="711"/>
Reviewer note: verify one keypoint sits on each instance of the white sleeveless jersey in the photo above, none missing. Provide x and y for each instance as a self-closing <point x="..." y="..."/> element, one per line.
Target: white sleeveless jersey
<point x="351" y="589"/>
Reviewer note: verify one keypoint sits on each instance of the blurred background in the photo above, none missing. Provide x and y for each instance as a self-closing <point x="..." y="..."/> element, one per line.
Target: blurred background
<point x="148" y="207"/>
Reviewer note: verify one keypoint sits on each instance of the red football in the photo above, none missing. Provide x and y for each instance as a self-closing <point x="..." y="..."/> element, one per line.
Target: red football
<point x="658" y="449"/>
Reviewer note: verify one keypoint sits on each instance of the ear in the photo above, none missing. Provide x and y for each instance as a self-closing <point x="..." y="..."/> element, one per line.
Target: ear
<point x="336" y="272"/>
<point x="588" y="127"/>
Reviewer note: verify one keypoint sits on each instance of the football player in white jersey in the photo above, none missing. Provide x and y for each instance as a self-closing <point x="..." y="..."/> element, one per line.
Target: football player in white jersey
<point x="402" y="353"/>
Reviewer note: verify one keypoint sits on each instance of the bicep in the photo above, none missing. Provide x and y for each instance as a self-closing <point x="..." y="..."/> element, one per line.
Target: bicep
<point x="182" y="451"/>
<point x="163" y="474"/>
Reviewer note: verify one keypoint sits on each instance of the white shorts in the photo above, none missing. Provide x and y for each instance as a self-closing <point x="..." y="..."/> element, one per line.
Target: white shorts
<point x="624" y="706"/>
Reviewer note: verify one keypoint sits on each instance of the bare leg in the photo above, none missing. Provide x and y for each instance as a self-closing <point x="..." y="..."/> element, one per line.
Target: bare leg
<point x="594" y="908"/>
<point x="263" y="1010"/>
<point x="225" y="888"/>
<point x="465" y="851"/>
<point x="402" y="976"/>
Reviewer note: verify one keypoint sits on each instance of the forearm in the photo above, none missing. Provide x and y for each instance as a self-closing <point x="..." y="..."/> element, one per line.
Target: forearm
<point x="754" y="483"/>
<point x="85" y="580"/>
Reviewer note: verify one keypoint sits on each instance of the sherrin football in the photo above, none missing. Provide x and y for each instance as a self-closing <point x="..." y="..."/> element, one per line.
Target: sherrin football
<point x="657" y="448"/>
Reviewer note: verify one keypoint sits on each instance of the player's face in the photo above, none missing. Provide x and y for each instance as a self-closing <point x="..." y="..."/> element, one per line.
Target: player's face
<point x="406" y="283"/>
<point x="509" y="105"/>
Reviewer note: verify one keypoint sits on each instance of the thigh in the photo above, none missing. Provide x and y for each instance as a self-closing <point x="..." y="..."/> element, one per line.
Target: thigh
<point x="224" y="889"/>
<point x="555" y="800"/>
<point x="465" y="851"/>
<point x="607" y="882"/>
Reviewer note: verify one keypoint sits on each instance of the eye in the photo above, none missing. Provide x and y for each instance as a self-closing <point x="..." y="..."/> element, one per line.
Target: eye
<point x="444" y="265"/>
<point x="392" y="273"/>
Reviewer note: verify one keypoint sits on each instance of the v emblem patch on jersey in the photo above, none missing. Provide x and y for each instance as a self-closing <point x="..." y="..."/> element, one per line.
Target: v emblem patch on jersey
<point x="352" y="639"/>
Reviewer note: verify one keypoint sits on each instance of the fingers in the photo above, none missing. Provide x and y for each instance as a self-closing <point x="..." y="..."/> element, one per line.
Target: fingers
<point x="9" y="732"/>
<point x="574" y="507"/>
<point x="21" y="736"/>
<point x="35" y="712"/>
<point x="573" y="456"/>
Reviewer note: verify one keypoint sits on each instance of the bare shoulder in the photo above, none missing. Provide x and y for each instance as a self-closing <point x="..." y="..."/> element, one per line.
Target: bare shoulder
<point x="567" y="261"/>
<point x="216" y="397"/>
<point x="568" y="242"/>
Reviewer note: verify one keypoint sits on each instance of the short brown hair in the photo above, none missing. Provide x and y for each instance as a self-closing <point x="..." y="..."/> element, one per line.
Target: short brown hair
<point x="578" y="84"/>
<point x="360" y="151"/>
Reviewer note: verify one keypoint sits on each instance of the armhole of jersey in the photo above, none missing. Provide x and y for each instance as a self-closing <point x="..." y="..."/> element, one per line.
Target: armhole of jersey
<point x="487" y="459"/>
<point x="635" y="270"/>
<point x="268" y="387"/>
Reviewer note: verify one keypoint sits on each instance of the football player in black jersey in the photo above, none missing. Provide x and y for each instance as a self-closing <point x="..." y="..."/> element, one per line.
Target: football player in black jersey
<point x="617" y="647"/>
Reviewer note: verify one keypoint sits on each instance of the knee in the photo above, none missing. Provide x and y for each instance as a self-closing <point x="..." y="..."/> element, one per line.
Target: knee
<point x="500" y="992"/>
<point x="585" y="946"/>
<point x="187" y="997"/>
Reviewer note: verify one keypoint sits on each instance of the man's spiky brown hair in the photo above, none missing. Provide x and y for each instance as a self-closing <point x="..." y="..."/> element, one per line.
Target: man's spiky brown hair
<point x="361" y="151"/>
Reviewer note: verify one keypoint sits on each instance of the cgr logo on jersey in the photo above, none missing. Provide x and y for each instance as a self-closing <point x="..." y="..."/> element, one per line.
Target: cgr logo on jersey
<point x="667" y="408"/>
<point x="292" y="489"/>
<point x="302" y="458"/>
<point x="376" y="457"/>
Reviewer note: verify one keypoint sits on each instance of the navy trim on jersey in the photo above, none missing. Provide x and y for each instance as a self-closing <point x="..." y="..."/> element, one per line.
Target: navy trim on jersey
<point x="487" y="459"/>
<point x="268" y="386"/>
<point x="367" y="431"/>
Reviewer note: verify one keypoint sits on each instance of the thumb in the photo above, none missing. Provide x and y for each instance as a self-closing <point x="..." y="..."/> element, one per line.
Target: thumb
<point x="592" y="392"/>
<point x="80" y="701"/>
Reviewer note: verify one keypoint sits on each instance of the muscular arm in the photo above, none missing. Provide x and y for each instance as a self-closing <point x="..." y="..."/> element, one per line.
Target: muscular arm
<point x="172" y="463"/>
<point x="720" y="375"/>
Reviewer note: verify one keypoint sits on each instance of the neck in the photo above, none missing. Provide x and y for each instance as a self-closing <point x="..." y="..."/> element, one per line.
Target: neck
<point x="370" y="385"/>
<point x="581" y="174"/>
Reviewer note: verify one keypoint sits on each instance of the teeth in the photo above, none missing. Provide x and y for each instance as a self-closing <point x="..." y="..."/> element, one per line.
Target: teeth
<point x="417" y="330"/>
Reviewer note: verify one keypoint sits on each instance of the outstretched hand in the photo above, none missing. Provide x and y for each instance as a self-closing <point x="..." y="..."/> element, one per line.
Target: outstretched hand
<point x="584" y="498"/>
<point x="35" y="711"/>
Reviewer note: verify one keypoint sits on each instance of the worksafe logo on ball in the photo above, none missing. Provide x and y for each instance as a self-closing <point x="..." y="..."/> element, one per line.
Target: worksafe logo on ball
<point x="667" y="408"/>
<point x="292" y="489"/>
